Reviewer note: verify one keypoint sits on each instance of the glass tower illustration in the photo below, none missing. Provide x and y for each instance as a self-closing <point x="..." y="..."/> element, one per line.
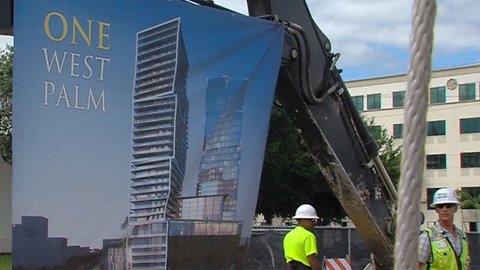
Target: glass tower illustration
<point x="220" y="162"/>
<point x="159" y="142"/>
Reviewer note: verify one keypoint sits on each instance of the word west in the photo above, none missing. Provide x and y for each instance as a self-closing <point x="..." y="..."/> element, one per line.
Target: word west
<point x="82" y="71"/>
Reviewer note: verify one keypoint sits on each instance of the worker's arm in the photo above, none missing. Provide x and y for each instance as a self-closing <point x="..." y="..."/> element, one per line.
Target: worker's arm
<point x="424" y="249"/>
<point x="315" y="263"/>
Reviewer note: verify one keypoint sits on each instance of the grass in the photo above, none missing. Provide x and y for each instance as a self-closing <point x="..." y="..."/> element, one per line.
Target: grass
<point x="5" y="262"/>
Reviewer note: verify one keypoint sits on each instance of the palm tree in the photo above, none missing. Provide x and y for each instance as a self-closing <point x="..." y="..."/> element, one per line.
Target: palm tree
<point x="469" y="201"/>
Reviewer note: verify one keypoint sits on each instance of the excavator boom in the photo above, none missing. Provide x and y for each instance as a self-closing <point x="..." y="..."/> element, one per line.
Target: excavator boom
<point x="312" y="92"/>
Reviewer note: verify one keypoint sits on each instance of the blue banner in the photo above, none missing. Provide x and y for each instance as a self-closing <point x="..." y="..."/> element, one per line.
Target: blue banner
<point x="139" y="133"/>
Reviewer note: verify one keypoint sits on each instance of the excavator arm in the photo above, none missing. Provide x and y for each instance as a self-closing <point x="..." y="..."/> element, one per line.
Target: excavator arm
<point x="312" y="92"/>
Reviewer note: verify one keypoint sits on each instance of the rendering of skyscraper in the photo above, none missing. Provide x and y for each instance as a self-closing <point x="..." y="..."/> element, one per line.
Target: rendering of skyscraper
<point x="220" y="162"/>
<point x="160" y="142"/>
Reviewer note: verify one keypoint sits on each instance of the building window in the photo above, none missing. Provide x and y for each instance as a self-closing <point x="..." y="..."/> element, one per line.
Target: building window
<point x="358" y="102"/>
<point x="435" y="162"/>
<point x="436" y="128"/>
<point x="397" y="131"/>
<point x="374" y="102"/>
<point x="437" y="95"/>
<point x="466" y="91"/>
<point x="398" y="99"/>
<point x="470" y="160"/>
<point x="470" y="125"/>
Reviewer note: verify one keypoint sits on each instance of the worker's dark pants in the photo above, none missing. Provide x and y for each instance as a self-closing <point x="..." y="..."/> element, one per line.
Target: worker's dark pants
<point x="294" y="265"/>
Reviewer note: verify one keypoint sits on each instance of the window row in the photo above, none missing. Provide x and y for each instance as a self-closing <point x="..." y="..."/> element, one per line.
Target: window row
<point x="437" y="128"/>
<point x="439" y="161"/>
<point x="438" y="95"/>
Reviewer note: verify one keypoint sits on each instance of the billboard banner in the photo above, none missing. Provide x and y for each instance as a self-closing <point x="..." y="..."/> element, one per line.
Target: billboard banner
<point x="139" y="133"/>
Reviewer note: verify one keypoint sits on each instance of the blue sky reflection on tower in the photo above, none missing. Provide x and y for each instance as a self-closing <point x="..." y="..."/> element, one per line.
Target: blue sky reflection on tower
<point x="221" y="155"/>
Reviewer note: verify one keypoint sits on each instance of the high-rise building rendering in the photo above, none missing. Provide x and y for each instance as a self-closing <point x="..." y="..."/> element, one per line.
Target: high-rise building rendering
<point x="220" y="162"/>
<point x="34" y="249"/>
<point x="160" y="141"/>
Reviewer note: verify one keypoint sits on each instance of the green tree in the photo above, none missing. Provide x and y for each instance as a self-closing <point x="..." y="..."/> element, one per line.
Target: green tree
<point x="290" y="176"/>
<point x="6" y="71"/>
<point x="388" y="152"/>
<point x="470" y="201"/>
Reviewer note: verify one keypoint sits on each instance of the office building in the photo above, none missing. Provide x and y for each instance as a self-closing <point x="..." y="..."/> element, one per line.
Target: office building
<point x="452" y="150"/>
<point x="34" y="249"/>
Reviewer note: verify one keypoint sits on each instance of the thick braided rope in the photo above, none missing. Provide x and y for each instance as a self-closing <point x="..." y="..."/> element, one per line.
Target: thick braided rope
<point x="418" y="78"/>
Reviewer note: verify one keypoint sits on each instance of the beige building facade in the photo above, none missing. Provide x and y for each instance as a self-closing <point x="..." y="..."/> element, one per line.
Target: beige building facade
<point x="452" y="149"/>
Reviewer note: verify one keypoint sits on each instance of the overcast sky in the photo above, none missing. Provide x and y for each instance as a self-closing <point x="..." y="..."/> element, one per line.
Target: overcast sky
<point x="373" y="35"/>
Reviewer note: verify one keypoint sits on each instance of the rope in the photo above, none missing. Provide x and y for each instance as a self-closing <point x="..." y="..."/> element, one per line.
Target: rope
<point x="413" y="158"/>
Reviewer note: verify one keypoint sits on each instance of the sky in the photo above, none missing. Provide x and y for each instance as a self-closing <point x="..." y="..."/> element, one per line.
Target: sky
<point x="373" y="36"/>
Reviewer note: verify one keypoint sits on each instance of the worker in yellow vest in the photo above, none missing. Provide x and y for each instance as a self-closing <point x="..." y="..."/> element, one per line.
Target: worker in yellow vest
<point x="443" y="246"/>
<point x="300" y="244"/>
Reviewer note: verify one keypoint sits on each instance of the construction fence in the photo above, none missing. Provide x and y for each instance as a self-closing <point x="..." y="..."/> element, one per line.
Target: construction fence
<point x="266" y="247"/>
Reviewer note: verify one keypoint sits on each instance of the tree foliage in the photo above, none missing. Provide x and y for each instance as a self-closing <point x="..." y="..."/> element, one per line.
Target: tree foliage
<point x="6" y="72"/>
<point x="389" y="153"/>
<point x="290" y="176"/>
<point x="470" y="201"/>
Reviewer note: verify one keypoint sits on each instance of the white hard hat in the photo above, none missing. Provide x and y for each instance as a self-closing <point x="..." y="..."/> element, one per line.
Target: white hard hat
<point x="444" y="195"/>
<point x="305" y="211"/>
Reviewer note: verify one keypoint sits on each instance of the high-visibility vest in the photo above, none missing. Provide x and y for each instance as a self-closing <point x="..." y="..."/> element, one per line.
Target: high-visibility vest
<point x="443" y="254"/>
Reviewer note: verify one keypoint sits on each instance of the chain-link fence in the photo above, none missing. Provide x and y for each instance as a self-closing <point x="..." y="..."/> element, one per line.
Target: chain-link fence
<point x="266" y="247"/>
<point x="473" y="239"/>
